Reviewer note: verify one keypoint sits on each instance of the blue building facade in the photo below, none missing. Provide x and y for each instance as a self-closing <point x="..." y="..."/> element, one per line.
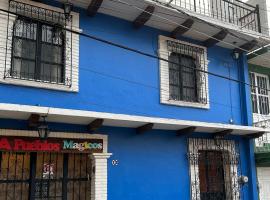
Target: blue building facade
<point x="153" y="146"/>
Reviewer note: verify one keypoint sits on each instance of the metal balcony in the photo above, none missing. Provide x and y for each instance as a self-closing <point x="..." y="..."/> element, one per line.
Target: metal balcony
<point x="234" y="12"/>
<point x="262" y="145"/>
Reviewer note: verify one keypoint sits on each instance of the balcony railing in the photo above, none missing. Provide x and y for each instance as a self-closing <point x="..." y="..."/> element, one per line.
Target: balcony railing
<point x="262" y="150"/>
<point x="262" y="144"/>
<point x="233" y="12"/>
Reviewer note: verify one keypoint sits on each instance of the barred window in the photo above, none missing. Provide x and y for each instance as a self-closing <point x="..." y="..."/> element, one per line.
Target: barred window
<point x="38" y="51"/>
<point x="259" y="93"/>
<point x="184" y="78"/>
<point x="41" y="51"/>
<point x="215" y="167"/>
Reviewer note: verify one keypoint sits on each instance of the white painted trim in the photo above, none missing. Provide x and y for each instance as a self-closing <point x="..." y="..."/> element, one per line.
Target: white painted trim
<point x="72" y="40"/>
<point x="163" y="38"/>
<point x="17" y="111"/>
<point x="164" y="75"/>
<point x="37" y="84"/>
<point x="263" y="174"/>
<point x="101" y="155"/>
<point x="99" y="181"/>
<point x="257" y="95"/>
<point x="75" y="15"/>
<point x="260" y="120"/>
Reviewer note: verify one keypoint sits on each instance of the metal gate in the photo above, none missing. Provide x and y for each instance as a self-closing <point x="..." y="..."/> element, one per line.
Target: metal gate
<point x="215" y="169"/>
<point x="211" y="175"/>
<point x="40" y="176"/>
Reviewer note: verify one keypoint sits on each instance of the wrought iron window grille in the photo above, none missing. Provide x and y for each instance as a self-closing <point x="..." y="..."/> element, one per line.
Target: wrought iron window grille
<point x="235" y="12"/>
<point x="259" y="93"/>
<point x="262" y="144"/>
<point x="38" y="13"/>
<point x="37" y="48"/>
<point x="187" y="77"/>
<point x="44" y="176"/>
<point x="215" y="169"/>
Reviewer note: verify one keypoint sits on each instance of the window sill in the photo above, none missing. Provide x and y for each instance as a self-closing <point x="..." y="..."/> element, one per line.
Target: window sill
<point x="36" y="84"/>
<point x="186" y="104"/>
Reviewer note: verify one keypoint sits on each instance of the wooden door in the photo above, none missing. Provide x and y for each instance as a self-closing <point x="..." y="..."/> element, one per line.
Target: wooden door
<point x="45" y="175"/>
<point x="14" y="175"/>
<point x="48" y="176"/>
<point x="78" y="178"/>
<point x="211" y="174"/>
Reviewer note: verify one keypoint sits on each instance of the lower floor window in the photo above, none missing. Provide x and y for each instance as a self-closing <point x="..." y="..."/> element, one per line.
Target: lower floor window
<point x="214" y="169"/>
<point x="211" y="175"/>
<point x="39" y="176"/>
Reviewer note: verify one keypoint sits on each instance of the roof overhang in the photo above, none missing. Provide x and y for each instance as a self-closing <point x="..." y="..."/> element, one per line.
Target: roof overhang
<point x="169" y="18"/>
<point x="82" y="117"/>
<point x="261" y="57"/>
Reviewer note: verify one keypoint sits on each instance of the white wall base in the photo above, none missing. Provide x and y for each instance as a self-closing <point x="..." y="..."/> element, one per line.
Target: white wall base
<point x="263" y="174"/>
<point x="99" y="176"/>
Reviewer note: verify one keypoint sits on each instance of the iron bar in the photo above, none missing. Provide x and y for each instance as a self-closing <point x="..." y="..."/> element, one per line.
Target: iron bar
<point x="185" y="81"/>
<point x="258" y="18"/>
<point x="220" y="10"/>
<point x="50" y="61"/>
<point x="49" y="178"/>
<point x="215" y="166"/>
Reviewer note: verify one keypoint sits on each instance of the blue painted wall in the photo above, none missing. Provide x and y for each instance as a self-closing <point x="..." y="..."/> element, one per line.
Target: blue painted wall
<point x="152" y="166"/>
<point x="119" y="81"/>
<point x="155" y="166"/>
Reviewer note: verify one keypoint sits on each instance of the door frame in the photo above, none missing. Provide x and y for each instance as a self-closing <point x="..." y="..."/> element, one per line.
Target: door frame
<point x="228" y="148"/>
<point x="99" y="160"/>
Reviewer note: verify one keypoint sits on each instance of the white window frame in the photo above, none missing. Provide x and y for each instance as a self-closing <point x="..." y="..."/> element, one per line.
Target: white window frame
<point x="5" y="61"/>
<point x="164" y="75"/>
<point x="194" y="147"/>
<point x="257" y="93"/>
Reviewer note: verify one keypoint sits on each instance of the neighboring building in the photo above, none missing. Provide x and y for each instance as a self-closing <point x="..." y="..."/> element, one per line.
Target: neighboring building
<point x="259" y="70"/>
<point x="262" y="157"/>
<point x="264" y="6"/>
<point x="89" y="112"/>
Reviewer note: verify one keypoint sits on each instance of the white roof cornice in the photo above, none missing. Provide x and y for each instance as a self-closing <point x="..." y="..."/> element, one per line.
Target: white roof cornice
<point x="61" y="115"/>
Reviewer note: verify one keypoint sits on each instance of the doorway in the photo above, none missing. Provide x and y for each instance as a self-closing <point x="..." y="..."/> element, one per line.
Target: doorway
<point x="44" y="175"/>
<point x="211" y="175"/>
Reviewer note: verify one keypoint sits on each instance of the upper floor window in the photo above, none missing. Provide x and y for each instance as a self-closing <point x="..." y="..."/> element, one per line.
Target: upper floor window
<point x="41" y="51"/>
<point x="259" y="93"/>
<point x="37" y="52"/>
<point x="184" y="76"/>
